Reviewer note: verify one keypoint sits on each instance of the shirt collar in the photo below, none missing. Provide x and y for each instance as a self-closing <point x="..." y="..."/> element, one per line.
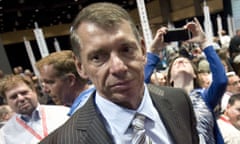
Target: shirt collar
<point x="80" y="98"/>
<point x="119" y="118"/>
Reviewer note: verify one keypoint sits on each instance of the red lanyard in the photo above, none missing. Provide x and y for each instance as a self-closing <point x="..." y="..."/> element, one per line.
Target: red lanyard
<point x="32" y="131"/>
<point x="224" y="119"/>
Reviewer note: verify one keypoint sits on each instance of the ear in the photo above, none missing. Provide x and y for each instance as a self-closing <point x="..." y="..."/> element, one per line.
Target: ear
<point x="227" y="109"/>
<point x="80" y="68"/>
<point x="144" y="51"/>
<point x="228" y="106"/>
<point x="71" y="79"/>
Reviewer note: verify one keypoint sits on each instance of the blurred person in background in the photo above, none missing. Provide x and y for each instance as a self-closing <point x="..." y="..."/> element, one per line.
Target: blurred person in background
<point x="5" y="114"/>
<point x="204" y="74"/>
<point x="61" y="81"/>
<point x="183" y="73"/>
<point x="229" y="121"/>
<point x="31" y="121"/>
<point x="158" y="78"/>
<point x="224" y="39"/>
<point x="233" y="87"/>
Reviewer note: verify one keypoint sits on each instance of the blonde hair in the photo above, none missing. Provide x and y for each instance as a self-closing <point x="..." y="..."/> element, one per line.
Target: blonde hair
<point x="11" y="80"/>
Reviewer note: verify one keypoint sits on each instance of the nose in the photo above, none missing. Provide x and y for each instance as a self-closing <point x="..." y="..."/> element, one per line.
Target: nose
<point x="20" y="97"/>
<point x="117" y="65"/>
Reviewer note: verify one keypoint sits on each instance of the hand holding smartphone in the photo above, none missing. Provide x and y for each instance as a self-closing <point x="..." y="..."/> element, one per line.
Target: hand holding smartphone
<point x="178" y="34"/>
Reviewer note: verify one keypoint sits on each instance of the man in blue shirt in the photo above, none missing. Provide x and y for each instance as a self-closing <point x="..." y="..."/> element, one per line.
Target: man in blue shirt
<point x="61" y="81"/>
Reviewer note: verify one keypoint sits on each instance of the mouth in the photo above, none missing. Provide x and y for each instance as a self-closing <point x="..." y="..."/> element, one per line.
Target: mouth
<point x="121" y="86"/>
<point x="24" y="106"/>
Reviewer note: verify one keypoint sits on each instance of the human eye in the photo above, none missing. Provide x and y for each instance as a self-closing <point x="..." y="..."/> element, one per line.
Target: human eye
<point x="48" y="82"/>
<point x="25" y="92"/>
<point x="127" y="50"/>
<point x="12" y="97"/>
<point x="95" y="58"/>
<point x="98" y="58"/>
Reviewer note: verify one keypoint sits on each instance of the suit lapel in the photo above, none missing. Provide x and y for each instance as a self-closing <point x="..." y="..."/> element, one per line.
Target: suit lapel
<point x="90" y="123"/>
<point x="168" y="114"/>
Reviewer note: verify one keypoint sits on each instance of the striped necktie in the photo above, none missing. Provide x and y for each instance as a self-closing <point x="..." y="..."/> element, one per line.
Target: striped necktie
<point x="139" y="136"/>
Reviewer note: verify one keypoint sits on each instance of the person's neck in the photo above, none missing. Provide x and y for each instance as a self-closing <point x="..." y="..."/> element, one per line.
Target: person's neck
<point x="184" y="81"/>
<point x="79" y="90"/>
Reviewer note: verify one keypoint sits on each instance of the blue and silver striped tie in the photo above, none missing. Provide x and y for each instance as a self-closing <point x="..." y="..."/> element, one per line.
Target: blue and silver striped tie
<point x="139" y="136"/>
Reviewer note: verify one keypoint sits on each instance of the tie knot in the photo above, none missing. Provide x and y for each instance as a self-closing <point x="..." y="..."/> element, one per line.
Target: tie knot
<point x="138" y="122"/>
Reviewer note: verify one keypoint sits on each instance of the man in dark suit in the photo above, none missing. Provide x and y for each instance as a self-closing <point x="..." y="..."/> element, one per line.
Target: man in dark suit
<point x="111" y="53"/>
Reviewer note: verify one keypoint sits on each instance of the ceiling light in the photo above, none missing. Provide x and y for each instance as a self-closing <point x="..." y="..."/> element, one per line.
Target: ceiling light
<point x="19" y="14"/>
<point x="69" y="16"/>
<point x="21" y="1"/>
<point x="16" y="23"/>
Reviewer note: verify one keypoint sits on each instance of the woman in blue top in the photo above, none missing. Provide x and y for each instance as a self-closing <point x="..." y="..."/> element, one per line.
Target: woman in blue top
<point x="182" y="73"/>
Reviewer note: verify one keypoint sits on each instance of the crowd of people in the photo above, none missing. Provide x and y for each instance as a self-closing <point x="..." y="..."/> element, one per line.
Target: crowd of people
<point x="94" y="92"/>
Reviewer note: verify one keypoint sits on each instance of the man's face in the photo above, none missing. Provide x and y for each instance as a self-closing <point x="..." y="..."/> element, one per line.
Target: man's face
<point x="22" y="99"/>
<point x="233" y="112"/>
<point x="56" y="87"/>
<point x="233" y="84"/>
<point x="158" y="79"/>
<point x="114" y="61"/>
<point x="205" y="79"/>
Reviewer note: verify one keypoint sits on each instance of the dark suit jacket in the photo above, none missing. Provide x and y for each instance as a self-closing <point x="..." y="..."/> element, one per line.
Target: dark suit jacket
<point x="86" y="126"/>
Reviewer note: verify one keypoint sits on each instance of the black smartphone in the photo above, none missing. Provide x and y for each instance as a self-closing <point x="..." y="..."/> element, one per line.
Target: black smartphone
<point x="178" y="34"/>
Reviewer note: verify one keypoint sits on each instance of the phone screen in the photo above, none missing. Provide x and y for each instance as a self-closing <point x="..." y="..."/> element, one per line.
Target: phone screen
<point x="179" y="34"/>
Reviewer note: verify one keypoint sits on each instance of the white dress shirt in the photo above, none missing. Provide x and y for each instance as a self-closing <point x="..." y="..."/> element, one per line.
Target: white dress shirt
<point x="231" y="135"/>
<point x="23" y="129"/>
